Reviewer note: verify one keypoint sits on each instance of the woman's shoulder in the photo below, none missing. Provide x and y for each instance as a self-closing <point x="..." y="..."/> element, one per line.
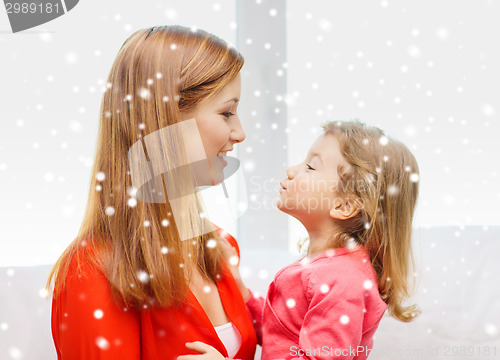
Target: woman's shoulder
<point x="84" y="274"/>
<point x="86" y="287"/>
<point x="85" y="312"/>
<point x="84" y="260"/>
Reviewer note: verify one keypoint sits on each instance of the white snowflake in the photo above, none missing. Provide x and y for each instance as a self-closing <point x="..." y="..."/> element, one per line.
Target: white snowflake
<point x="102" y="343"/>
<point x="132" y="202"/>
<point x="491" y="329"/>
<point x="414" y="51"/>
<point x="392" y="190"/>
<point x="367" y="284"/>
<point x="488" y="110"/>
<point x="142" y="276"/>
<point x="263" y="274"/>
<point x="100" y="176"/>
<point x="144" y="93"/>
<point x="43" y="293"/>
<point x="71" y="58"/>
<point x="344" y="319"/>
<point x="325" y="25"/>
<point x="211" y="243"/>
<point x="98" y="314"/>
<point x="15" y="353"/>
<point x="49" y="177"/>
<point x="442" y="33"/>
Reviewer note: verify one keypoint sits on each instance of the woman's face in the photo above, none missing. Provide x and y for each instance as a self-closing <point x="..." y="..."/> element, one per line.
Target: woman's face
<point x="220" y="128"/>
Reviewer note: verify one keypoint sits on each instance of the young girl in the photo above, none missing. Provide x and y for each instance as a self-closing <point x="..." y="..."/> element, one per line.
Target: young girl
<point x="355" y="193"/>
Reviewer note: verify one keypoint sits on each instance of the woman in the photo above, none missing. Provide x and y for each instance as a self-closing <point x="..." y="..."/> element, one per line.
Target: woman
<point x="144" y="276"/>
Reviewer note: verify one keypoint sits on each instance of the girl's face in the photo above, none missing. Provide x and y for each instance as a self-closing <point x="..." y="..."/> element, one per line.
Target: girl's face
<point x="309" y="192"/>
<point x="220" y="128"/>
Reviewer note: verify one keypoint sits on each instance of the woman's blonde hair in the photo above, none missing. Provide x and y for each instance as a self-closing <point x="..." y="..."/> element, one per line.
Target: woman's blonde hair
<point x="381" y="177"/>
<point x="158" y="73"/>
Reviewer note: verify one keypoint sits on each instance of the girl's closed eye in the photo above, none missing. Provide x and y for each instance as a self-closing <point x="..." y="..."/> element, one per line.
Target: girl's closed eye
<point x="309" y="167"/>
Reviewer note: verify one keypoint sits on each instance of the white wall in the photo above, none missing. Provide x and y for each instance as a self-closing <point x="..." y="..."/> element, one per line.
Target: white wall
<point x="50" y="94"/>
<point x="424" y="71"/>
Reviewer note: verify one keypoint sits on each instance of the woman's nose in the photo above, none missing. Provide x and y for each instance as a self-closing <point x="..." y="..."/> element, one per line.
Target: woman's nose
<point x="237" y="133"/>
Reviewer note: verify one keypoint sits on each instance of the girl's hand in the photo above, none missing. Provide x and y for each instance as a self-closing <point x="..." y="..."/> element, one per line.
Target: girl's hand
<point x="206" y="351"/>
<point x="231" y="256"/>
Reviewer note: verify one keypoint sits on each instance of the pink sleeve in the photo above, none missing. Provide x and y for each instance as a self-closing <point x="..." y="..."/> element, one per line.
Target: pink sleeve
<point x="334" y="319"/>
<point x="255" y="307"/>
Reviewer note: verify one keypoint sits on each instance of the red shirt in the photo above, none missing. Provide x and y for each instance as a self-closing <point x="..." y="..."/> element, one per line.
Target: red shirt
<point x="87" y="324"/>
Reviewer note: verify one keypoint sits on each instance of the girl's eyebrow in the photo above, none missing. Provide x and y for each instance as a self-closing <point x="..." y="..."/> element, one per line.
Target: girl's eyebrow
<point x="313" y="154"/>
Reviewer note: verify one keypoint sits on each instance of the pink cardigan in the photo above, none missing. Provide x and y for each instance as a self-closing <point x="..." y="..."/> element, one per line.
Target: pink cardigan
<point x="324" y="308"/>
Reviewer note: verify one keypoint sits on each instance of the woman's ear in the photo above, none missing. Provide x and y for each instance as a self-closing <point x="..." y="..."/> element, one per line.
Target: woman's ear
<point x="344" y="208"/>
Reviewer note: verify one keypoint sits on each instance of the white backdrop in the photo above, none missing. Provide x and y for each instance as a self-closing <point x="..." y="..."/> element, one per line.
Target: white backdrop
<point x="50" y="94"/>
<point x="424" y="71"/>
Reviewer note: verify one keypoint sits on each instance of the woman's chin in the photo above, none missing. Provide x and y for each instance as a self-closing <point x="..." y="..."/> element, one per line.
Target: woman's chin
<point x="206" y="179"/>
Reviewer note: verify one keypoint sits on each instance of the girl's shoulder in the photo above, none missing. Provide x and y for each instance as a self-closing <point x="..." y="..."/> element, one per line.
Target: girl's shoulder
<point x="342" y="267"/>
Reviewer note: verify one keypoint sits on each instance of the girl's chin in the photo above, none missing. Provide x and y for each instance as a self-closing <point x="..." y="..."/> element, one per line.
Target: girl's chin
<point x="281" y="206"/>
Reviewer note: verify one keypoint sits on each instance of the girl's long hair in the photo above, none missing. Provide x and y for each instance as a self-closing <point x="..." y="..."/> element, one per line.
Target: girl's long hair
<point x="157" y="74"/>
<point x="381" y="176"/>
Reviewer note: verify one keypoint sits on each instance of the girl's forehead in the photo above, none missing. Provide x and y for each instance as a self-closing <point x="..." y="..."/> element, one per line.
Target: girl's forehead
<point x="325" y="143"/>
<point x="328" y="149"/>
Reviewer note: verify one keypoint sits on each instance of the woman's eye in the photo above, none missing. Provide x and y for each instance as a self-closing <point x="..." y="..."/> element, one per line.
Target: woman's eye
<point x="227" y="114"/>
<point x="309" y="167"/>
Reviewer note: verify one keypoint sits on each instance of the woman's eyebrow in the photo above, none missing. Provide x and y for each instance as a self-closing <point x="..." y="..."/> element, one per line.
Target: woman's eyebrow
<point x="233" y="99"/>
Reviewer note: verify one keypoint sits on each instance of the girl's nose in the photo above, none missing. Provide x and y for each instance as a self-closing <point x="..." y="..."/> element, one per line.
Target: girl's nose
<point x="291" y="171"/>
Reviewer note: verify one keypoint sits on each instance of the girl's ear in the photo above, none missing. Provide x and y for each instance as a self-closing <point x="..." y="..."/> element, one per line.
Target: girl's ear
<point x="344" y="208"/>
